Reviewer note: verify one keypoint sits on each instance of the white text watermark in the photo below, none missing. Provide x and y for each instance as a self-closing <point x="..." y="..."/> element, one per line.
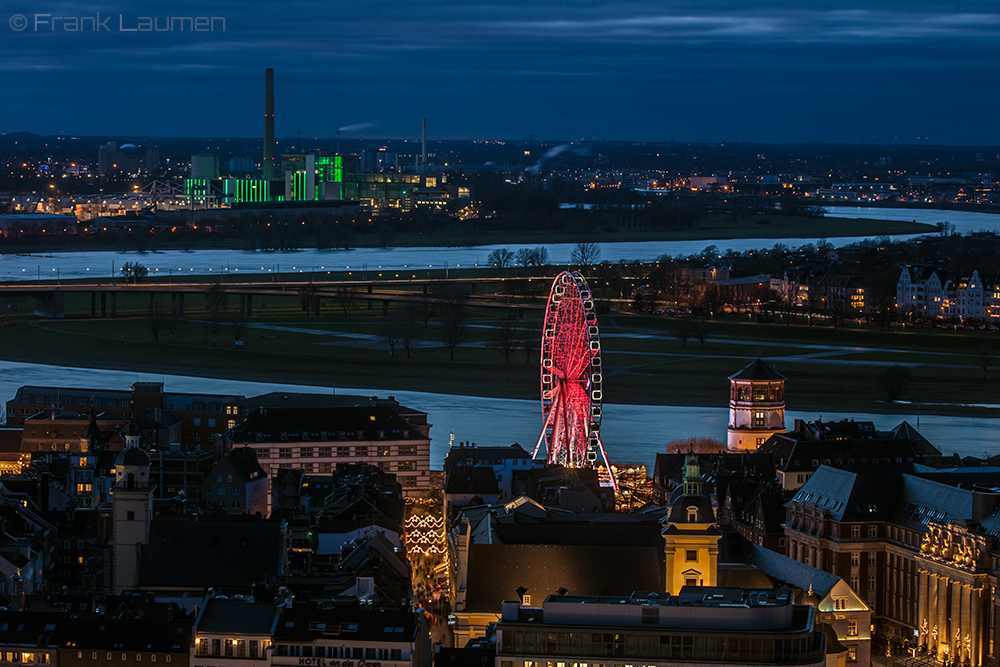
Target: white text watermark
<point x="113" y="23"/>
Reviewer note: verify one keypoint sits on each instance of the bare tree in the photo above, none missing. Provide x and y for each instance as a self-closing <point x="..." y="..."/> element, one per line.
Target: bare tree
<point x="156" y="319"/>
<point x="895" y="380"/>
<point x="426" y="309"/>
<point x="174" y="322"/>
<point x="346" y="298"/>
<point x="309" y="299"/>
<point x="134" y="272"/>
<point x="585" y="254"/>
<point x="504" y="338"/>
<point x="682" y="331"/>
<point x="405" y="321"/>
<point x="501" y="258"/>
<point x="238" y="324"/>
<point x="700" y="331"/>
<point x="452" y="326"/>
<point x="385" y="234"/>
<point x="389" y="336"/>
<point x="538" y="256"/>
<point x="216" y="308"/>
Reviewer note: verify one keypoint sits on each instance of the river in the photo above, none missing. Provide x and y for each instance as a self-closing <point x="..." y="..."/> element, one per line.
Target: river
<point x="286" y="265"/>
<point x="632" y="433"/>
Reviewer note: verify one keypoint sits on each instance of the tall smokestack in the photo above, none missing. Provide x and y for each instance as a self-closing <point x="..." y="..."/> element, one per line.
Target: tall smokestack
<point x="423" y="141"/>
<point x="269" y="123"/>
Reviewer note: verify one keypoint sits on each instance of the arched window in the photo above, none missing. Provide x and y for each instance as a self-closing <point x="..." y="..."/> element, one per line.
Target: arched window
<point x="693" y="514"/>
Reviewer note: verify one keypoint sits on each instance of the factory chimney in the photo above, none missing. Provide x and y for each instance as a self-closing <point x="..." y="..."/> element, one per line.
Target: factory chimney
<point x="269" y="123"/>
<point x="423" y="143"/>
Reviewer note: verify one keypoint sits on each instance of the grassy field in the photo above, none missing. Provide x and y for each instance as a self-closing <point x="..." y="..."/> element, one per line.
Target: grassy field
<point x="828" y="370"/>
<point x="715" y="228"/>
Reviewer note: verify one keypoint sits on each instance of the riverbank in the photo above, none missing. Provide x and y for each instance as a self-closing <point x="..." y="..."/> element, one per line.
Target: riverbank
<point x="644" y="363"/>
<point x="467" y="234"/>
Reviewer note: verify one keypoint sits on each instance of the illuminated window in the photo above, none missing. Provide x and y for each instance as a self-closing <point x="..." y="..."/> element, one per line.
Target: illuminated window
<point x="855" y="559"/>
<point x="852" y="628"/>
<point x="852" y="653"/>
<point x="840" y="603"/>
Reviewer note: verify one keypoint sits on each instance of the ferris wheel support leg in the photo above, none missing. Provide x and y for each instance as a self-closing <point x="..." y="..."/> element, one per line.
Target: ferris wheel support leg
<point x="538" y="445"/>
<point x="604" y="455"/>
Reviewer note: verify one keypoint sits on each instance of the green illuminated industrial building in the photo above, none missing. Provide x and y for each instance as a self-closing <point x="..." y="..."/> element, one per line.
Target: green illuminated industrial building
<point x="317" y="177"/>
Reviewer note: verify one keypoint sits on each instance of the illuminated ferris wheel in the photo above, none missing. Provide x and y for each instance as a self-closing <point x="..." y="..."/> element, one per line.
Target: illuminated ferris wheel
<point x="571" y="376"/>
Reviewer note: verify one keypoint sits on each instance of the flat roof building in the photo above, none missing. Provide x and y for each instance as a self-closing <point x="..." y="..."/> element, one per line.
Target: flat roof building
<point x="733" y="626"/>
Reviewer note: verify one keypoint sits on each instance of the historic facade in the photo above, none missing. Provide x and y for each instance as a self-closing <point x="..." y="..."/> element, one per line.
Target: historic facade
<point x="919" y="546"/>
<point x="756" y="406"/>
<point x="953" y="592"/>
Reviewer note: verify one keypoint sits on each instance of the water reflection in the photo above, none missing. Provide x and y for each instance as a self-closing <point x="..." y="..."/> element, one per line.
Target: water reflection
<point x="632" y="433"/>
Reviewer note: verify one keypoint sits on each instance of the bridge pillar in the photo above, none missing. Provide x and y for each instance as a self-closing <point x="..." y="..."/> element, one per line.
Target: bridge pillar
<point x="152" y="301"/>
<point x="249" y="305"/>
<point x="243" y="304"/>
<point x="180" y="304"/>
<point x="114" y="304"/>
<point x="263" y="301"/>
<point x="93" y="304"/>
<point x="385" y="308"/>
<point x="104" y="304"/>
<point x="425" y="289"/>
<point x="473" y="288"/>
<point x="369" y="300"/>
<point x="173" y="304"/>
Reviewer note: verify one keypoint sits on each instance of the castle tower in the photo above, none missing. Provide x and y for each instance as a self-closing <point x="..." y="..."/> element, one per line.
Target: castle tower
<point x="756" y="406"/>
<point x="691" y="537"/>
<point x="131" y="512"/>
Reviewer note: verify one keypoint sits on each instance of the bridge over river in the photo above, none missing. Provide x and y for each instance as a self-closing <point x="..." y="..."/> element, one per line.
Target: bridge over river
<point x="49" y="297"/>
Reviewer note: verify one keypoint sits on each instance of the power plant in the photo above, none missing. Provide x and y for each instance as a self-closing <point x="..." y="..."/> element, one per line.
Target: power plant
<point x="319" y="178"/>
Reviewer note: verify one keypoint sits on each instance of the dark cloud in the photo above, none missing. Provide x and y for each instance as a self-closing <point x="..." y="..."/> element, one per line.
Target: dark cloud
<point x="767" y="71"/>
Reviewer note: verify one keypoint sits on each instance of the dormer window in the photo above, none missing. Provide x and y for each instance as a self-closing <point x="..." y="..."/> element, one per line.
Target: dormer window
<point x="693" y="515"/>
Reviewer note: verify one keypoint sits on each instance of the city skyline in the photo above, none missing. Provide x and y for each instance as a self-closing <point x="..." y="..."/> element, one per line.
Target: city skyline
<point x="638" y="71"/>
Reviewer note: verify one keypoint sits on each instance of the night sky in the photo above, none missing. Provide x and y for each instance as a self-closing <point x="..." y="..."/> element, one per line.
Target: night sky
<point x="880" y="72"/>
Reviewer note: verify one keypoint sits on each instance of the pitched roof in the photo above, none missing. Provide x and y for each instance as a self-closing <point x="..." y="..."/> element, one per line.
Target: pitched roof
<point x="792" y="571"/>
<point x="210" y="553"/>
<point x="323" y="425"/>
<point x="475" y="455"/>
<point x="757" y="370"/>
<point x="236" y="616"/>
<point x="862" y="494"/>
